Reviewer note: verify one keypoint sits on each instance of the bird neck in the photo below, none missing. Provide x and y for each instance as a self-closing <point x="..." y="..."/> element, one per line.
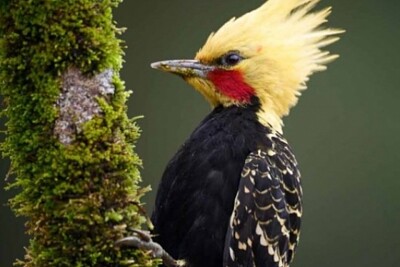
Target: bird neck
<point x="270" y="118"/>
<point x="264" y="113"/>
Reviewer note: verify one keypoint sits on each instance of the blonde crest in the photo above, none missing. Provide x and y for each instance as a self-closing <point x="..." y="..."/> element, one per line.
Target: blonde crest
<point x="283" y="43"/>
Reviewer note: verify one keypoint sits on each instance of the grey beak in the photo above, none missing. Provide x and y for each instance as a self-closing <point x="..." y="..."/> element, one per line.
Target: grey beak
<point x="184" y="68"/>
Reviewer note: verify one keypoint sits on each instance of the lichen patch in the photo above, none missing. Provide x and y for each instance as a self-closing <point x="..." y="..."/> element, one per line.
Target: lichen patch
<point x="78" y="101"/>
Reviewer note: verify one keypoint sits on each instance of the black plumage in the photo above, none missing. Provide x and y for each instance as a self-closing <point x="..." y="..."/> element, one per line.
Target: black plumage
<point x="212" y="203"/>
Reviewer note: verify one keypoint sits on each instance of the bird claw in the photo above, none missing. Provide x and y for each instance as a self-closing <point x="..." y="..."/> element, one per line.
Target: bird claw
<point x="142" y="240"/>
<point x="144" y="235"/>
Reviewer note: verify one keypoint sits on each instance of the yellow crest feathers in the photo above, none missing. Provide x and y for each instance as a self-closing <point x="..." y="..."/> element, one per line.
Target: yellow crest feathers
<point x="282" y="41"/>
<point x="286" y="22"/>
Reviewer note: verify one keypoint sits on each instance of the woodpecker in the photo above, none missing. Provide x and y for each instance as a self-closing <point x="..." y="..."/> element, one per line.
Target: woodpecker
<point x="232" y="196"/>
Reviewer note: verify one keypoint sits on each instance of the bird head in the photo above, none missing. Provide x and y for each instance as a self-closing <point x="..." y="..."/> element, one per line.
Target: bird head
<point x="267" y="54"/>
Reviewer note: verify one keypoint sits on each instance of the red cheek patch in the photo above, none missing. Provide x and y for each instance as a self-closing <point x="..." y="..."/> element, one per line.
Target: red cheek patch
<point x="231" y="84"/>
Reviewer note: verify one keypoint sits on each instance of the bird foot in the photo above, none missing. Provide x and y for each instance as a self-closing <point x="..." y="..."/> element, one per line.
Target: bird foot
<point x="142" y="240"/>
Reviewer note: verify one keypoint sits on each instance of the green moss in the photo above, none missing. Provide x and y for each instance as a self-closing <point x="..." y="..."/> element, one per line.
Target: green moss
<point x="78" y="198"/>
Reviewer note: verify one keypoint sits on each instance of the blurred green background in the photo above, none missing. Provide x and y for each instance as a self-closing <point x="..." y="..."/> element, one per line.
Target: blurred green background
<point x="345" y="130"/>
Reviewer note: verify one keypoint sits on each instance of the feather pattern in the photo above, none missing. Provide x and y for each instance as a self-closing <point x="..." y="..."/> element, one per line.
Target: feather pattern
<point x="265" y="223"/>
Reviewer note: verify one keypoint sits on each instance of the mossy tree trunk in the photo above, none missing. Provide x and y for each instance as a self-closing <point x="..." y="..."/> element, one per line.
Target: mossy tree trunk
<point x="68" y="135"/>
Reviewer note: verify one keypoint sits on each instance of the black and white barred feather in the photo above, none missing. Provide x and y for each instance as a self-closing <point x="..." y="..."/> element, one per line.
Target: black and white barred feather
<point x="265" y="224"/>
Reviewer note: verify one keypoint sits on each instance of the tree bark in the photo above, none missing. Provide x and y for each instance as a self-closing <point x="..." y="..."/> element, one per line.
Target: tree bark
<point x="69" y="139"/>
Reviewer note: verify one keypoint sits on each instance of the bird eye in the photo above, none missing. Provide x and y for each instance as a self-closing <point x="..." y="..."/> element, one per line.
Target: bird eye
<point x="230" y="59"/>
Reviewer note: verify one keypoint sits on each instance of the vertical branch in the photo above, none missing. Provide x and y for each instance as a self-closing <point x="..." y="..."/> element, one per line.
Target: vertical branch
<point x="68" y="135"/>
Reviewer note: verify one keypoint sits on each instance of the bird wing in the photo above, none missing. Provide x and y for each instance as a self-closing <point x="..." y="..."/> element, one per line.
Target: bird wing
<point x="265" y="223"/>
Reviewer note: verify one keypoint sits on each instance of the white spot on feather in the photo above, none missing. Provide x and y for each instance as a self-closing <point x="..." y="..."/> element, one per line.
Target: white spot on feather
<point x="271" y="152"/>
<point x="271" y="250"/>
<point x="242" y="246"/>
<point x="232" y="254"/>
<point x="246" y="190"/>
